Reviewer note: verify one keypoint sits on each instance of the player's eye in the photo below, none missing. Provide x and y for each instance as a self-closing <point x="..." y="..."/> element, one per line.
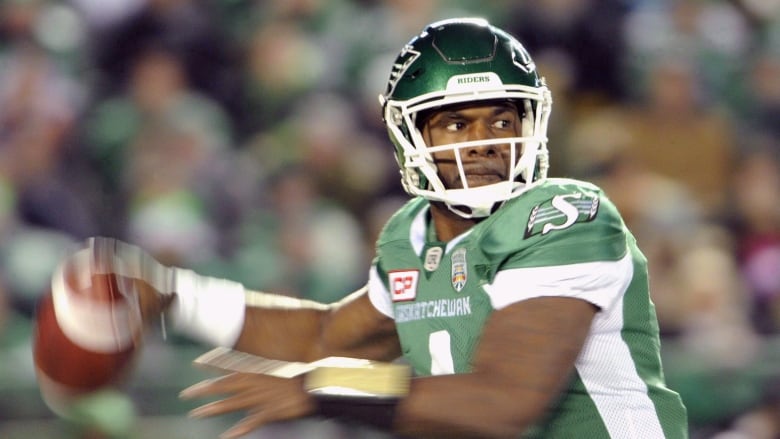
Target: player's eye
<point x="454" y="126"/>
<point x="502" y="124"/>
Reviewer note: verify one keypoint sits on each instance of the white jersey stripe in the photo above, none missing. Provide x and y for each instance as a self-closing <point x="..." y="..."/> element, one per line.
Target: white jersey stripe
<point x="378" y="294"/>
<point x="627" y="411"/>
<point x="600" y="283"/>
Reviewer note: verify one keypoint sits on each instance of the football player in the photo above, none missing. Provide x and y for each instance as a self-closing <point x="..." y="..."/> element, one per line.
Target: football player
<point x="520" y="302"/>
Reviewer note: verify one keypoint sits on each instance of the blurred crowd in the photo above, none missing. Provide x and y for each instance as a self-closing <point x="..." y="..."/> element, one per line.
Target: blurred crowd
<point x="243" y="138"/>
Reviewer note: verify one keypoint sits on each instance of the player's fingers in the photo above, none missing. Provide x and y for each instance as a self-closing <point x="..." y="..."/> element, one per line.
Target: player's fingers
<point x="277" y="398"/>
<point x="199" y="389"/>
<point x="242" y="427"/>
<point x="249" y="399"/>
<point x="274" y="403"/>
<point x="223" y="406"/>
<point x="283" y="410"/>
<point x="245" y="426"/>
<point x="228" y="383"/>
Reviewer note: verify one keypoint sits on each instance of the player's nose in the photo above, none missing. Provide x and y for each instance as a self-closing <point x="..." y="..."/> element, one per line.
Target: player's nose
<point x="480" y="131"/>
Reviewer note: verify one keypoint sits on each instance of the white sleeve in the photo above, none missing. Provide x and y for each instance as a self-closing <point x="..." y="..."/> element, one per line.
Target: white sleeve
<point x="600" y="283"/>
<point x="378" y="294"/>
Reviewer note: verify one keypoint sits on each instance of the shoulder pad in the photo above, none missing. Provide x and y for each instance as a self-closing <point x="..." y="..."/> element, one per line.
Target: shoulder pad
<point x="559" y="222"/>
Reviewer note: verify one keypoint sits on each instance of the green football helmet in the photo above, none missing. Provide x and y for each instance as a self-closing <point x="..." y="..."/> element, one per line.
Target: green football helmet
<point x="459" y="61"/>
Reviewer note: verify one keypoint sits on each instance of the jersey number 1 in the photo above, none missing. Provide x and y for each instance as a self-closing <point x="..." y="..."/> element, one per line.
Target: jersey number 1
<point x="439" y="346"/>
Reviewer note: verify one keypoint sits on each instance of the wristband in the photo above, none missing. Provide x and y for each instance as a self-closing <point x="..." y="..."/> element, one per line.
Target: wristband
<point x="207" y="309"/>
<point x="367" y="393"/>
<point x="379" y="413"/>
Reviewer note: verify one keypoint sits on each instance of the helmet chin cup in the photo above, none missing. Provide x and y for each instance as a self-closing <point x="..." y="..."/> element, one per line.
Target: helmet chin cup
<point x="480" y="201"/>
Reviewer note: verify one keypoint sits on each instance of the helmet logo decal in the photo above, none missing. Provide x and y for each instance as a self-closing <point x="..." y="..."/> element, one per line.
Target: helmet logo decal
<point x="474" y="81"/>
<point x="525" y="62"/>
<point x="459" y="271"/>
<point x="406" y="58"/>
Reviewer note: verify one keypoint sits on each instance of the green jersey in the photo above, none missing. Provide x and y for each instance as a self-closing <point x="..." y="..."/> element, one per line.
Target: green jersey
<point x="561" y="238"/>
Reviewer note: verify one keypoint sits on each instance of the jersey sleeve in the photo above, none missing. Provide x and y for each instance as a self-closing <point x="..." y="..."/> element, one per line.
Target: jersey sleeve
<point x="396" y="230"/>
<point x="567" y="240"/>
<point x="601" y="283"/>
<point x="562" y="225"/>
<point x="378" y="293"/>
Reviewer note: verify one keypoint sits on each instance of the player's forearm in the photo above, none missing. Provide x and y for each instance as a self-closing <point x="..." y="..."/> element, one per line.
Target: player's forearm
<point x="466" y="406"/>
<point x="302" y="330"/>
<point x="221" y="312"/>
<point x="281" y="327"/>
<point x="524" y="360"/>
<point x="453" y="406"/>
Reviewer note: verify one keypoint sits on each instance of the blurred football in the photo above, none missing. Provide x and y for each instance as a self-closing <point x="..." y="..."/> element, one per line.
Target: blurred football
<point x="86" y="333"/>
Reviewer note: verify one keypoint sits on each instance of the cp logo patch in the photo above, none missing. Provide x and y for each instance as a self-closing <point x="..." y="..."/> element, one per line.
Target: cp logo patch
<point x="403" y="285"/>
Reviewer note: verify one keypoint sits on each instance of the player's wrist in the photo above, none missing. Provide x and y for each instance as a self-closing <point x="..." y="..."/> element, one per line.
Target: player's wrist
<point x="367" y="394"/>
<point x="376" y="413"/>
<point x="132" y="265"/>
<point x="152" y="302"/>
<point x="206" y="309"/>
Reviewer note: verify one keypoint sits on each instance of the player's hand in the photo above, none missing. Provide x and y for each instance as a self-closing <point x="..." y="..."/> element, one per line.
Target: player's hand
<point x="264" y="398"/>
<point x="139" y="275"/>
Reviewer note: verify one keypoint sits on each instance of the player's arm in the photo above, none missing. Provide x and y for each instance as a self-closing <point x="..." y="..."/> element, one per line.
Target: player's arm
<point x="220" y="312"/>
<point x="524" y="358"/>
<point x="292" y="329"/>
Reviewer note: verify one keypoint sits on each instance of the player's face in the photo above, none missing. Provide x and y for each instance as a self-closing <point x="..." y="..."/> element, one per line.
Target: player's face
<point x="483" y="165"/>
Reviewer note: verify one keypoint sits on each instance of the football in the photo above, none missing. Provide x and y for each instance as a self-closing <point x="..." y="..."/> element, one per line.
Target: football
<point x="86" y="334"/>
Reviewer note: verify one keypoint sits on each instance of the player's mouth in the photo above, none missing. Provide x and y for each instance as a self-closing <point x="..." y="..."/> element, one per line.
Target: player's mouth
<point x="476" y="180"/>
<point x="484" y="175"/>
